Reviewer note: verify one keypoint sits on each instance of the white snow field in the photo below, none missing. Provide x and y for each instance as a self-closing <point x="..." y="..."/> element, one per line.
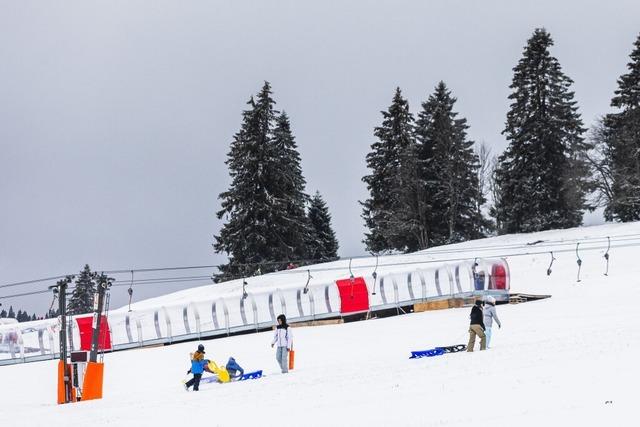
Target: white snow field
<point x="572" y="359"/>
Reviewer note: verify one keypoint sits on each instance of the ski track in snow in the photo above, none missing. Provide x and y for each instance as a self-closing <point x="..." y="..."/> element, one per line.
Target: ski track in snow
<point x="554" y="361"/>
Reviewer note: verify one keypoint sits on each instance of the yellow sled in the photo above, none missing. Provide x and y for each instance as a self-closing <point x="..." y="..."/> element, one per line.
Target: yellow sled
<point x="220" y="371"/>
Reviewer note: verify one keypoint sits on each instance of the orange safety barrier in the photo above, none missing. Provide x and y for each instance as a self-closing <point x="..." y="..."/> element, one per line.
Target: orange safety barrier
<point x="62" y="395"/>
<point x="92" y="386"/>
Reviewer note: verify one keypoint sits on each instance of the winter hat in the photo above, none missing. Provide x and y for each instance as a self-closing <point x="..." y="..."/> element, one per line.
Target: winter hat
<point x="491" y="300"/>
<point x="201" y="348"/>
<point x="479" y="303"/>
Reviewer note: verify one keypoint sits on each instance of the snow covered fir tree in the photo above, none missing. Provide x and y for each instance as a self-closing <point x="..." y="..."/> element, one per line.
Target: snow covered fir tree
<point x="323" y="244"/>
<point x="448" y="173"/>
<point x="266" y="225"/>
<point x="619" y="139"/>
<point x="424" y="187"/>
<point x="81" y="299"/>
<point x="286" y="186"/>
<point x="542" y="177"/>
<point x="392" y="179"/>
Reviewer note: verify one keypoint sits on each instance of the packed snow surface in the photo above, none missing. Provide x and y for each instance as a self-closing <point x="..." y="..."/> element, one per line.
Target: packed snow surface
<point x="571" y="359"/>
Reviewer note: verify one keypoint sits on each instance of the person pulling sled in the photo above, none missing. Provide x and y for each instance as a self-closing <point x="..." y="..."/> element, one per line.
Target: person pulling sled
<point x="198" y="364"/>
<point x="477" y="327"/>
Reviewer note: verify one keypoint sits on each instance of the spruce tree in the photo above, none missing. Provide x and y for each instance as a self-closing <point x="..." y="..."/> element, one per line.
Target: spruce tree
<point x="390" y="182"/>
<point x="246" y="205"/>
<point x="11" y="314"/>
<point x="3" y="314"/>
<point x="448" y="172"/>
<point x="622" y="138"/>
<point x="323" y="245"/>
<point x="264" y="207"/>
<point x="81" y="299"/>
<point x="287" y="187"/>
<point x="541" y="178"/>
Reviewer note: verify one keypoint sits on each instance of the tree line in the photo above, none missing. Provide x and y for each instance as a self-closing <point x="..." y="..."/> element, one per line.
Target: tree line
<point x="20" y="316"/>
<point x="428" y="186"/>
<point x="80" y="300"/>
<point x="428" y="183"/>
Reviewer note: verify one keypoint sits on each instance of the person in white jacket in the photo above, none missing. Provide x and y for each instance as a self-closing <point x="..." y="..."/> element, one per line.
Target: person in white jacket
<point x="490" y="314"/>
<point x="283" y="337"/>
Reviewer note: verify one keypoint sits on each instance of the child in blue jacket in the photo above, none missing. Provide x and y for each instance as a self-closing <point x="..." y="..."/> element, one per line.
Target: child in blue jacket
<point x="198" y="362"/>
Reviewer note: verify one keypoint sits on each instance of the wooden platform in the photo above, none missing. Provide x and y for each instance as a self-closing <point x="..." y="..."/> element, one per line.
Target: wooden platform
<point x="318" y="322"/>
<point x="443" y="304"/>
<point x="520" y="298"/>
<point x="516" y="299"/>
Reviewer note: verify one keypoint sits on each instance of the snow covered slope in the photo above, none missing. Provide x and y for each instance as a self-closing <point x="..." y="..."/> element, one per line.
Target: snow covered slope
<point x="569" y="359"/>
<point x="562" y="242"/>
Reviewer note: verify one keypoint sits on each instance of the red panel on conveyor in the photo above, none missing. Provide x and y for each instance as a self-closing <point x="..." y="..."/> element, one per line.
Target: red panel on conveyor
<point x="354" y="295"/>
<point x="85" y="326"/>
<point x="499" y="277"/>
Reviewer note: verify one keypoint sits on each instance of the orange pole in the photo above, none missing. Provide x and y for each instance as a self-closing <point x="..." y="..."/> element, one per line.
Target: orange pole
<point x="61" y="391"/>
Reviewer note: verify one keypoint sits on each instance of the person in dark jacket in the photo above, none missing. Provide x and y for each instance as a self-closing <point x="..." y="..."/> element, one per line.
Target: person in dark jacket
<point x="477" y="327"/>
<point x="198" y="362"/>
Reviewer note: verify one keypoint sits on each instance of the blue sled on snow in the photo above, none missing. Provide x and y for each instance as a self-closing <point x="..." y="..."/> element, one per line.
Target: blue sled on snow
<point x="438" y="351"/>
<point x="248" y="376"/>
<point x="251" y="376"/>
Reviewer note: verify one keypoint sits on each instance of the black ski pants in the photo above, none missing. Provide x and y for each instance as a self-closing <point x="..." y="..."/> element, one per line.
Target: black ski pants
<point x="195" y="382"/>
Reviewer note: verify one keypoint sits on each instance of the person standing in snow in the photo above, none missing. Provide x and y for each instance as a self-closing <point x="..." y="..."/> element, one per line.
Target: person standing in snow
<point x="489" y="313"/>
<point x="283" y="337"/>
<point x="198" y="362"/>
<point x="477" y="327"/>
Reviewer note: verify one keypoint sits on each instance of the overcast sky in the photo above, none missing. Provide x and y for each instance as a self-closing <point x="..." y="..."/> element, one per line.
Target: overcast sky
<point x="116" y="116"/>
